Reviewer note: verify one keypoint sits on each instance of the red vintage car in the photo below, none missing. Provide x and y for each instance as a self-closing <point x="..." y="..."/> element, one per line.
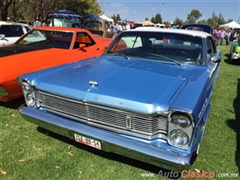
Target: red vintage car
<point x="44" y="47"/>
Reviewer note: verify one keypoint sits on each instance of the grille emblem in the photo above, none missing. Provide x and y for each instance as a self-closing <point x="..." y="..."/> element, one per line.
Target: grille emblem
<point x="128" y="122"/>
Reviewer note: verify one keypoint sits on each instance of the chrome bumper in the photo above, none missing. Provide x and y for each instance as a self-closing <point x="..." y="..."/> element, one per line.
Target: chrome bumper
<point x="110" y="142"/>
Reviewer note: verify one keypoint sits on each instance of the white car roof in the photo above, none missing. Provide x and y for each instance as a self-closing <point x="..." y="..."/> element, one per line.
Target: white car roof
<point x="178" y="31"/>
<point x="12" y="23"/>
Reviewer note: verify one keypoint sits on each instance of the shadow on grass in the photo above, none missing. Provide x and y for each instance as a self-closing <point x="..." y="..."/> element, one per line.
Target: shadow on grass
<point x="115" y="157"/>
<point x="235" y="124"/>
<point x="14" y="104"/>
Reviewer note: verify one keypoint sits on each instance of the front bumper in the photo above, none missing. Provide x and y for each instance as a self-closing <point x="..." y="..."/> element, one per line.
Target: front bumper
<point x="110" y="142"/>
<point x="235" y="55"/>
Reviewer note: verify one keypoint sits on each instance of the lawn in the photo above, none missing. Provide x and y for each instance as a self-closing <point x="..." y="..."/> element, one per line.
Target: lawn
<point x="30" y="153"/>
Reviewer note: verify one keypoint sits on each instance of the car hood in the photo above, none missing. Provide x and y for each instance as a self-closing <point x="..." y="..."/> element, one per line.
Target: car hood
<point x="15" y="49"/>
<point x="136" y="84"/>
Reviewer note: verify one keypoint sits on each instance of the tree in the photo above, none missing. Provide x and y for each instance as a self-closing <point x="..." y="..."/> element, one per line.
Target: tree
<point x="213" y="20"/>
<point x="177" y="20"/>
<point x="221" y="19"/>
<point x="193" y="16"/>
<point x="28" y="10"/>
<point x="81" y="7"/>
<point x="116" y="18"/>
<point x="4" y="5"/>
<point x="202" y="22"/>
<point x="153" y="20"/>
<point x="158" y="18"/>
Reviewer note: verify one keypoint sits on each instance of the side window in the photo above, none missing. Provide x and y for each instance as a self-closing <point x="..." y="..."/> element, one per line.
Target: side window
<point x="107" y="25"/>
<point x="210" y="49"/>
<point x="83" y="40"/>
<point x="11" y="31"/>
<point x="27" y="28"/>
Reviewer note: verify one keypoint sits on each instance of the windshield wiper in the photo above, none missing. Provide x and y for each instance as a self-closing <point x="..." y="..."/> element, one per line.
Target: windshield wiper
<point x="165" y="57"/>
<point x="121" y="54"/>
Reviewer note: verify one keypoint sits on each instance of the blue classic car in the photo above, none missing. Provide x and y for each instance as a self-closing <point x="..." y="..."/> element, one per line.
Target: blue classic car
<point x="147" y="97"/>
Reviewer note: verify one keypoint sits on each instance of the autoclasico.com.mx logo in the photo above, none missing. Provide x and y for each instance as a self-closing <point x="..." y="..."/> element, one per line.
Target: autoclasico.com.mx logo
<point x="187" y="174"/>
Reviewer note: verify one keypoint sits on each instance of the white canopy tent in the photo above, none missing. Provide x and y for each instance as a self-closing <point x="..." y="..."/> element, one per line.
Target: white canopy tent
<point x="232" y="24"/>
<point x="107" y="18"/>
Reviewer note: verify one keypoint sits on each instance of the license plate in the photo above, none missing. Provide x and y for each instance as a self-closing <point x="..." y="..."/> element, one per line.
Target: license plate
<point x="87" y="141"/>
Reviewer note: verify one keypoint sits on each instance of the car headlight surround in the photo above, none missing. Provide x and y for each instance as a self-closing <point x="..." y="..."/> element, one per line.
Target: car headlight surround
<point x="179" y="138"/>
<point x="180" y="128"/>
<point x="29" y="94"/>
<point x="180" y="120"/>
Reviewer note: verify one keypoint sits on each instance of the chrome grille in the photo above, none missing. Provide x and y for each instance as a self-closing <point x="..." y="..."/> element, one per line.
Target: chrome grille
<point x="100" y="115"/>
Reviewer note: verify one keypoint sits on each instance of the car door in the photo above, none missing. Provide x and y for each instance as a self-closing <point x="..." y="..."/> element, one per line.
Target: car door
<point x="85" y="47"/>
<point x="214" y="61"/>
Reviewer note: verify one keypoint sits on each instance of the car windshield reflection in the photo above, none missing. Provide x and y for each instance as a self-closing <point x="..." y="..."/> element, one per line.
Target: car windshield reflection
<point x="170" y="47"/>
<point x="48" y="39"/>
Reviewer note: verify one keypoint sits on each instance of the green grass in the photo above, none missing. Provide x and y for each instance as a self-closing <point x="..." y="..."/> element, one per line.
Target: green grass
<point x="29" y="153"/>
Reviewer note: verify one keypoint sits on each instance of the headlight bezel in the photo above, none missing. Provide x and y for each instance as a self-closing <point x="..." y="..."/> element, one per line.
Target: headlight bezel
<point x="181" y="120"/>
<point x="28" y="93"/>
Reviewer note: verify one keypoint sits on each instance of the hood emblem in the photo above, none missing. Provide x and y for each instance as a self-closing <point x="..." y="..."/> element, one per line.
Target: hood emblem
<point x="128" y="122"/>
<point x="93" y="83"/>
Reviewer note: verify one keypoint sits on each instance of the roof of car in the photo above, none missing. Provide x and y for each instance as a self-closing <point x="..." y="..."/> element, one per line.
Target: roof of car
<point x="178" y="31"/>
<point x="205" y="25"/>
<point x="55" y="28"/>
<point x="12" y="23"/>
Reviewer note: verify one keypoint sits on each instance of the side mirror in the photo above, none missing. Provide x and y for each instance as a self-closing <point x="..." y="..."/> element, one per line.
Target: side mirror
<point x="2" y="36"/>
<point x="81" y="46"/>
<point x="216" y="59"/>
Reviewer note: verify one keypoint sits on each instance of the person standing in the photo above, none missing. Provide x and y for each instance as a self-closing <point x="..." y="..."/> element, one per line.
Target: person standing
<point x="179" y="25"/>
<point x="229" y="32"/>
<point x="115" y="28"/>
<point x="44" y="23"/>
<point x="120" y="29"/>
<point x="128" y="26"/>
<point x="222" y="35"/>
<point x="37" y="23"/>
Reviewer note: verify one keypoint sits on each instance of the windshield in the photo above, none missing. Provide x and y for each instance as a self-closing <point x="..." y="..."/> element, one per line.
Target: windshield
<point x="42" y="38"/>
<point x="162" y="46"/>
<point x="63" y="22"/>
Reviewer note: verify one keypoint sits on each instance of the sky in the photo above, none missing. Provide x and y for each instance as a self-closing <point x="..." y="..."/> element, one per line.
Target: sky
<point x="139" y="10"/>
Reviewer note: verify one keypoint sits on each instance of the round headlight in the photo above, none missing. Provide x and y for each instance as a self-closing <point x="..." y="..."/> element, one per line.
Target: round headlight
<point x="181" y="121"/>
<point x="179" y="138"/>
<point x="27" y="86"/>
<point x="30" y="99"/>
